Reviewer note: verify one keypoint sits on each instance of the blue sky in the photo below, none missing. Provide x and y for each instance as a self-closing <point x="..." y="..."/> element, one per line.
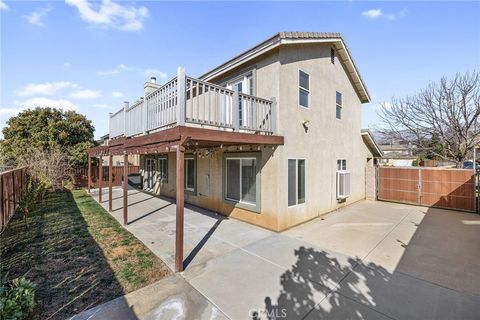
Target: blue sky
<point x="91" y="56"/>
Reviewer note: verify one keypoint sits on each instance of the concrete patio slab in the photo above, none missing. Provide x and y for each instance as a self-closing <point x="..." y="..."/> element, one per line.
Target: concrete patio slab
<point x="328" y="269"/>
<point x="370" y="260"/>
<point x="241" y="284"/>
<point x="169" y="298"/>
<point x="354" y="230"/>
<point x="401" y="296"/>
<point x="336" y="306"/>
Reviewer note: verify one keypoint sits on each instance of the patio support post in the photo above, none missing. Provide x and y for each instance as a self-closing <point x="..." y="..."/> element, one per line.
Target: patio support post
<point x="89" y="172"/>
<point x="100" y="178"/>
<point x="125" y="189"/>
<point x="110" y="178"/>
<point x="180" y="209"/>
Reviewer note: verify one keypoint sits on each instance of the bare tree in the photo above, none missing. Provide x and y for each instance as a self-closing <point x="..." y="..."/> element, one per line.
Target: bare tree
<point x="446" y="112"/>
<point x="52" y="168"/>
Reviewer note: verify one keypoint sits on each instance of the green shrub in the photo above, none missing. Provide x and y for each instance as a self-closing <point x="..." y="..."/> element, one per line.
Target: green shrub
<point x="16" y="299"/>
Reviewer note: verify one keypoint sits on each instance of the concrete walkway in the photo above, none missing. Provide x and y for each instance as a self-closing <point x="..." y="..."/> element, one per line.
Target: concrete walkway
<point x="369" y="260"/>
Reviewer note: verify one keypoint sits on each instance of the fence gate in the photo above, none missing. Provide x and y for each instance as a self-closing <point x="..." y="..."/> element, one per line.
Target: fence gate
<point x="433" y="187"/>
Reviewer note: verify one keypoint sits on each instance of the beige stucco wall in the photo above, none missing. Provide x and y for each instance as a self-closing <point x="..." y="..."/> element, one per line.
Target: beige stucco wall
<point x="210" y="185"/>
<point x="327" y="139"/>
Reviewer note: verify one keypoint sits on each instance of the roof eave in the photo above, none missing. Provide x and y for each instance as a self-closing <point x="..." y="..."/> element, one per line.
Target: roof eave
<point x="369" y="136"/>
<point x="276" y="41"/>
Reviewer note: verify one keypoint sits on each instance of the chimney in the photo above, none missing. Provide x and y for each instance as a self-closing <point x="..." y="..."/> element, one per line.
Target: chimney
<point x="150" y="86"/>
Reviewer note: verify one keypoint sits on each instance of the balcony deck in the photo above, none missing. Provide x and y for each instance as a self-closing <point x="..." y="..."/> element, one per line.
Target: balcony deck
<point x="185" y="101"/>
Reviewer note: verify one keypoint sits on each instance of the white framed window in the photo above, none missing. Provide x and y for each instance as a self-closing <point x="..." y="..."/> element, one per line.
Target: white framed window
<point x="303" y="89"/>
<point x="189" y="174"/>
<point x="338" y="105"/>
<point x="241" y="179"/>
<point x="243" y="84"/>
<point x="163" y="169"/>
<point x="296" y="181"/>
<point x="341" y="164"/>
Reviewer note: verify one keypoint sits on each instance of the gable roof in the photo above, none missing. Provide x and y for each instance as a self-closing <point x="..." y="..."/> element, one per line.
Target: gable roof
<point x="371" y="143"/>
<point x="285" y="38"/>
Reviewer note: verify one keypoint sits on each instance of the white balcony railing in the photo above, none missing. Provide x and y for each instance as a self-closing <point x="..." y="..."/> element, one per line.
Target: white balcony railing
<point x="187" y="100"/>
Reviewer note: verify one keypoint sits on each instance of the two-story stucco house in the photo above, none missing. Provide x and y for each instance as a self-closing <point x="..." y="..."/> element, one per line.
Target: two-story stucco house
<point x="272" y="137"/>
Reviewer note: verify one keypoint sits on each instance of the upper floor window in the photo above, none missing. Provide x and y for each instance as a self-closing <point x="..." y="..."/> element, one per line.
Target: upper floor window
<point x="303" y="89"/>
<point x="342" y="164"/>
<point x="332" y="55"/>
<point x="339" y="105"/>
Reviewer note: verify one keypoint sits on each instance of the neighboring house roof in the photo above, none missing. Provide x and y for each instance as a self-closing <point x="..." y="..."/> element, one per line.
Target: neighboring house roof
<point x="371" y="143"/>
<point x="285" y="38"/>
<point x="395" y="147"/>
<point x="397" y="155"/>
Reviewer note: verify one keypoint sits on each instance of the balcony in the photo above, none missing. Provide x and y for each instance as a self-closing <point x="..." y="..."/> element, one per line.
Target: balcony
<point x="185" y="101"/>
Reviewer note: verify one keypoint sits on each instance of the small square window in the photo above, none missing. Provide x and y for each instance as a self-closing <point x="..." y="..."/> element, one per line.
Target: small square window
<point x="342" y="164"/>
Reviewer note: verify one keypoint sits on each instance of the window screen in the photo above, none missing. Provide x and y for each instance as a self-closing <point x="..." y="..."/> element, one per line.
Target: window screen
<point x="233" y="179"/>
<point x="241" y="184"/>
<point x="190" y="174"/>
<point x="304" y="89"/>
<point x="296" y="181"/>
<point x="338" y="105"/>
<point x="292" y="175"/>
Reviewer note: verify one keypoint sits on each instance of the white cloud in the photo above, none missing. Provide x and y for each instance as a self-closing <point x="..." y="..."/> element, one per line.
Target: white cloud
<point x="85" y="94"/>
<point x="11" y="111"/>
<point x="35" y="17"/>
<point x="3" y="6"/>
<point x="121" y="68"/>
<point x="372" y="13"/>
<point x="117" y="94"/>
<point x="45" y="102"/>
<point x="155" y="72"/>
<point x="378" y="13"/>
<point x="116" y="70"/>
<point x="47" y="88"/>
<point x="111" y="14"/>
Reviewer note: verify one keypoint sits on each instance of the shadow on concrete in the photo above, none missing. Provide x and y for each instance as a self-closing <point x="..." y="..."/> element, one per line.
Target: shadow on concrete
<point x="149" y="213"/>
<point x="202" y="242"/>
<point x="313" y="275"/>
<point x="436" y="276"/>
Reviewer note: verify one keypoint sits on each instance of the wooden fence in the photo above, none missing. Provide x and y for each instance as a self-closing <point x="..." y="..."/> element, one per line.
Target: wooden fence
<point x="12" y="185"/>
<point x="433" y="187"/>
<point x="80" y="175"/>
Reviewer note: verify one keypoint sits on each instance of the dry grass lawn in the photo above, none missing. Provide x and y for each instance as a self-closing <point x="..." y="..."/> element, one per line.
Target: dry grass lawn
<point x="77" y="255"/>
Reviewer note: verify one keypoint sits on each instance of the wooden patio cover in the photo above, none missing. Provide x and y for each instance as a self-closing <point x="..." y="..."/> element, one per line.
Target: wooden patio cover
<point x="176" y="139"/>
